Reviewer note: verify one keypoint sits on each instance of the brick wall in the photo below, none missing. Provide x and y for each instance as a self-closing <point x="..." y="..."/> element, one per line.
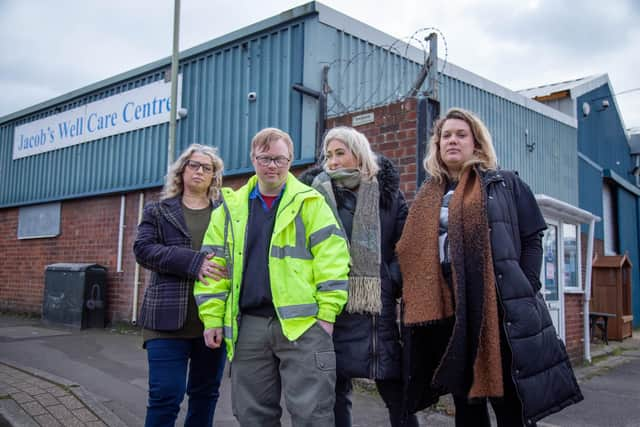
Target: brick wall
<point x="88" y="234"/>
<point x="574" y="326"/>
<point x="393" y="134"/>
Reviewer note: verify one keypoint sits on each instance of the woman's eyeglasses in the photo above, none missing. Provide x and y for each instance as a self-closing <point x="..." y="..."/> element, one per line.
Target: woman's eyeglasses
<point x="195" y="166"/>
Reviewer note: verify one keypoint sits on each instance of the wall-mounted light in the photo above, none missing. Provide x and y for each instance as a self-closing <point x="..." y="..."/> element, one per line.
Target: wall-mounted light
<point x="530" y="145"/>
<point x="604" y="105"/>
<point x="586" y="107"/>
<point x="182" y="112"/>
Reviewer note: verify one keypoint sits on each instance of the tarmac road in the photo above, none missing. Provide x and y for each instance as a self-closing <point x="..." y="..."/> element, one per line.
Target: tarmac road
<point x="112" y="367"/>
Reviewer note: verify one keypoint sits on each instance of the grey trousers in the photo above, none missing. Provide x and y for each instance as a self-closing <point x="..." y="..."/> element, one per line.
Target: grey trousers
<point x="266" y="364"/>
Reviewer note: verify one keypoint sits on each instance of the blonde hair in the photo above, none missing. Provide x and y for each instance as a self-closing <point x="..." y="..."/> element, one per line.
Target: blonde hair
<point x="266" y="136"/>
<point x="484" y="154"/>
<point x="173" y="184"/>
<point x="358" y="144"/>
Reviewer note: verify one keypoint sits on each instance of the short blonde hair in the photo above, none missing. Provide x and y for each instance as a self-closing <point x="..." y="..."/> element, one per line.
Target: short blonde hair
<point x="174" y="185"/>
<point x="484" y="154"/>
<point x="359" y="146"/>
<point x="266" y="136"/>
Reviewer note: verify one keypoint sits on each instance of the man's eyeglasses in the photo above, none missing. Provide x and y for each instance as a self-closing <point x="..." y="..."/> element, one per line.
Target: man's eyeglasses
<point x="280" y="161"/>
<point x="195" y="166"/>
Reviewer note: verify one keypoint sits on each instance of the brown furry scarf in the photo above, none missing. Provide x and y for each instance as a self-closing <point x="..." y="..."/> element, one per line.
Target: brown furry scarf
<point x="471" y="363"/>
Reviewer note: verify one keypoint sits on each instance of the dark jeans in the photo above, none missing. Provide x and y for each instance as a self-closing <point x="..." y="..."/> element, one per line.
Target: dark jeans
<point x="391" y="393"/>
<point x="169" y="360"/>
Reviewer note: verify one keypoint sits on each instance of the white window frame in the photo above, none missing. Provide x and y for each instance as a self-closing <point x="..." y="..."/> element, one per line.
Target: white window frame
<point x="579" y="289"/>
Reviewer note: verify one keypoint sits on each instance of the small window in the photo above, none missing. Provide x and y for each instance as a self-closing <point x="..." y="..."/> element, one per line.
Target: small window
<point x="571" y="256"/>
<point x="39" y="221"/>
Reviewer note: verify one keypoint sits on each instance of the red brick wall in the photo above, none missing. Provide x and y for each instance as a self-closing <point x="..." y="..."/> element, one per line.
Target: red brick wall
<point x="574" y="326"/>
<point x="393" y="134"/>
<point x="88" y="234"/>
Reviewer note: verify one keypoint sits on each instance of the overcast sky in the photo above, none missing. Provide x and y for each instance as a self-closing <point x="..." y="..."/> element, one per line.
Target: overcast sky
<point x="53" y="47"/>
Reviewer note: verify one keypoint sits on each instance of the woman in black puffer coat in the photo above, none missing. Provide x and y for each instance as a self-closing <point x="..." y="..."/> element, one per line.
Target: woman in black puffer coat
<point x="470" y="253"/>
<point x="363" y="190"/>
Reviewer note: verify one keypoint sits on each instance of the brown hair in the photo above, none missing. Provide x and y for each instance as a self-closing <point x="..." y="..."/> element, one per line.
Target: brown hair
<point x="266" y="136"/>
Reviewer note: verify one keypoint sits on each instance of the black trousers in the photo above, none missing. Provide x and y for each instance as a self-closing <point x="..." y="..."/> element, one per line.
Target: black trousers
<point x="508" y="409"/>
<point x="391" y="393"/>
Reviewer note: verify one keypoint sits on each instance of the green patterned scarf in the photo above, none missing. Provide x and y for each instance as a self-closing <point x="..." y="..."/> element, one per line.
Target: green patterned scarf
<point x="364" y="277"/>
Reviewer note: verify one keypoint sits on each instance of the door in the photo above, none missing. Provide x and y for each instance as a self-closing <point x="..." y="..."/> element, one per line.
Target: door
<point x="551" y="274"/>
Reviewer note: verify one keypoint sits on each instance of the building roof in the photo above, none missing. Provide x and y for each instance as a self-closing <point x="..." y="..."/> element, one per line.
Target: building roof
<point x="571" y="86"/>
<point x="331" y="18"/>
<point x="573" y="89"/>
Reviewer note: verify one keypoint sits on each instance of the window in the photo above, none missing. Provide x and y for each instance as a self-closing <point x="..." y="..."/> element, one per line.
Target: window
<point x="609" y="220"/>
<point x="571" y="249"/>
<point x="39" y="221"/>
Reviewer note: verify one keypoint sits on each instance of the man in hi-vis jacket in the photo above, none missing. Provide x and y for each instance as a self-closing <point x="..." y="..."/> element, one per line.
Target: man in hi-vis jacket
<point x="288" y="265"/>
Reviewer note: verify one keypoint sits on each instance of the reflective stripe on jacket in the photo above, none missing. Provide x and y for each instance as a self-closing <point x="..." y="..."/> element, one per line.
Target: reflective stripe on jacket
<point x="308" y="261"/>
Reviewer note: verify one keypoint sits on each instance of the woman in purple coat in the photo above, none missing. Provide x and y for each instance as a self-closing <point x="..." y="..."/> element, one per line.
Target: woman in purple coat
<point x="168" y="243"/>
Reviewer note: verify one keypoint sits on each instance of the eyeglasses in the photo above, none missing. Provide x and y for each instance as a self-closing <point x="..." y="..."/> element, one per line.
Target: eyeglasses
<point x="195" y="166"/>
<point x="280" y="161"/>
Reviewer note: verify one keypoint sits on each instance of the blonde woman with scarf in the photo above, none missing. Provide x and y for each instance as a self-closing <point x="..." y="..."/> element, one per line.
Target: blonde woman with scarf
<point x="470" y="256"/>
<point x="363" y="191"/>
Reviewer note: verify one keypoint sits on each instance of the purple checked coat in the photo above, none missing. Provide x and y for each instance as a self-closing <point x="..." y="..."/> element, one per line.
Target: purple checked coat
<point x="163" y="246"/>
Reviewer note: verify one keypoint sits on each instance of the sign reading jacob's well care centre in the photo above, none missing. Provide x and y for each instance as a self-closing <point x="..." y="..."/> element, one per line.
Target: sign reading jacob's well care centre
<point x="144" y="106"/>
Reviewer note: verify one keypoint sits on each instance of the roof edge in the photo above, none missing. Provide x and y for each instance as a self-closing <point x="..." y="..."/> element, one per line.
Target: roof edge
<point x="351" y="25"/>
<point x="273" y="21"/>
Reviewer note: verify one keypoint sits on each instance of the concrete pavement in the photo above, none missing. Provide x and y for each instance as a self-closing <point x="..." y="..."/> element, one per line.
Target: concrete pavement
<point x="52" y="376"/>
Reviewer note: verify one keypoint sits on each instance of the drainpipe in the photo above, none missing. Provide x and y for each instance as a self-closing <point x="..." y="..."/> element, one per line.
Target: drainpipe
<point x="136" y="271"/>
<point x="120" y="234"/>
<point x="587" y="291"/>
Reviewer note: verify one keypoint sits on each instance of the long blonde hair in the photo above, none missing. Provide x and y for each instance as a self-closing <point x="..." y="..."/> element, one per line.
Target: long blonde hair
<point x="358" y="144"/>
<point x="173" y="184"/>
<point x="484" y="154"/>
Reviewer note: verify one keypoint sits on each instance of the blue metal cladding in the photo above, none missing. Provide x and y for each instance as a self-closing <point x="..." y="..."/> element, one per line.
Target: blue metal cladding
<point x="551" y="167"/>
<point x="628" y="233"/>
<point x="118" y="162"/>
<point x="603" y="141"/>
<point x="363" y="75"/>
<point x="590" y="194"/>
<point x="215" y="88"/>
<point x="601" y="135"/>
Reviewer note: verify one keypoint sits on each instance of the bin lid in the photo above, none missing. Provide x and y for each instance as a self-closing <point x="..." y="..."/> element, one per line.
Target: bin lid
<point x="74" y="267"/>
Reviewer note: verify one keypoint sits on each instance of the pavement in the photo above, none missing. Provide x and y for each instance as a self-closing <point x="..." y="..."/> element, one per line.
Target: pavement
<point x="56" y="376"/>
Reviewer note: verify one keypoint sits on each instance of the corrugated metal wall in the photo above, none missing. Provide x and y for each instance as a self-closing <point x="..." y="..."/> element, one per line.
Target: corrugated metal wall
<point x="627" y="204"/>
<point x="590" y="194"/>
<point x="134" y="159"/>
<point x="215" y="91"/>
<point x="216" y="82"/>
<point x="363" y="75"/>
<point x="216" y="88"/>
<point x="551" y="167"/>
<point x="601" y="135"/>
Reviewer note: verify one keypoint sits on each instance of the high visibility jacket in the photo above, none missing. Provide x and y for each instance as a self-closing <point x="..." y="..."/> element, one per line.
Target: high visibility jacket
<point x="308" y="261"/>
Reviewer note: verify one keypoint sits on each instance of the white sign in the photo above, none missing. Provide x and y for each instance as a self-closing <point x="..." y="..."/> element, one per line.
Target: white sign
<point x="362" y="119"/>
<point x="137" y="108"/>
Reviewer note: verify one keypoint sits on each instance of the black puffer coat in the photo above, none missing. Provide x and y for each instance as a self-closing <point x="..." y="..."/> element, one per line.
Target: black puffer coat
<point x="539" y="364"/>
<point x="368" y="346"/>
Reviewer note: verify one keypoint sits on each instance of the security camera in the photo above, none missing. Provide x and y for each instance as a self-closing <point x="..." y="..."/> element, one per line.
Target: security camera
<point x="252" y="96"/>
<point x="605" y="103"/>
<point x="182" y="112"/>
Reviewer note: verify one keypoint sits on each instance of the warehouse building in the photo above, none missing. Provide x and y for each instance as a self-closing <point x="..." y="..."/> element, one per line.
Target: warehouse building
<point x="75" y="171"/>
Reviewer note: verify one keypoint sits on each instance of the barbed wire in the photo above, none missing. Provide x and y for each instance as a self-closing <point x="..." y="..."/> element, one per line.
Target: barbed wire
<point x="373" y="90"/>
